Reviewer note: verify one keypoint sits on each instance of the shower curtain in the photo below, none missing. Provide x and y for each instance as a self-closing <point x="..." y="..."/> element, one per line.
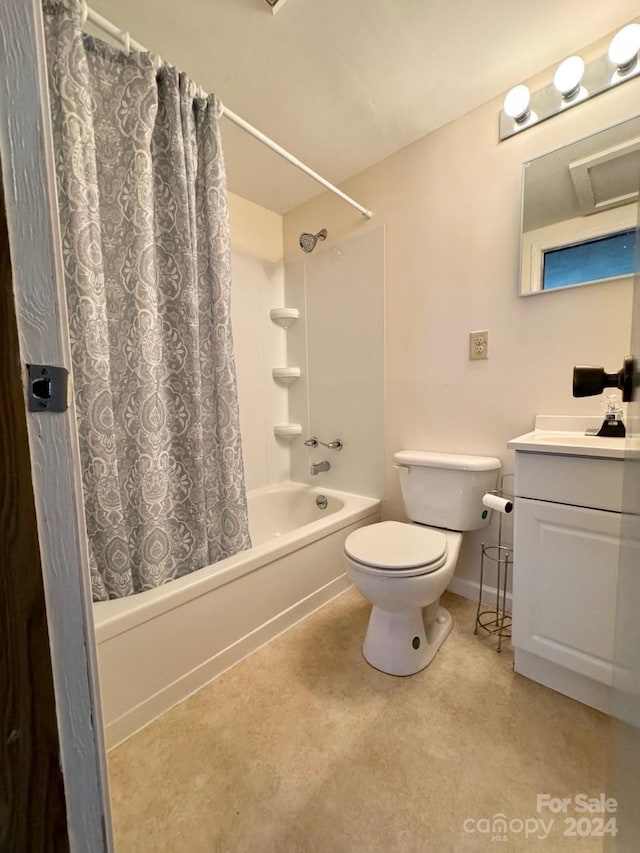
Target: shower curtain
<point x="145" y="240"/>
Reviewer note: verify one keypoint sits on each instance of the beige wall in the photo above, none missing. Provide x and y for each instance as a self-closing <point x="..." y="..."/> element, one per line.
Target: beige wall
<point x="259" y="345"/>
<point x="450" y="204"/>
<point x="255" y="230"/>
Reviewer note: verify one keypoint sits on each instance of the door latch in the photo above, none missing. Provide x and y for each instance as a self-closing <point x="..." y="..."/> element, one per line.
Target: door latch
<point x="48" y="388"/>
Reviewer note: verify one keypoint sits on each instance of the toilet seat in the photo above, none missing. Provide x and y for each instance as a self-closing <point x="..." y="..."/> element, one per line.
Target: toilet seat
<point x="396" y="549"/>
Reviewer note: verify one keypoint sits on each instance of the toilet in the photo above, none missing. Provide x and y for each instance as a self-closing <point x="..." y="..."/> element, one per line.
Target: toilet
<point x="403" y="568"/>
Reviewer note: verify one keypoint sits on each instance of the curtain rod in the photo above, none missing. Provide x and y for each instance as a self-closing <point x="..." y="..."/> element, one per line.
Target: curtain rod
<point x="131" y="44"/>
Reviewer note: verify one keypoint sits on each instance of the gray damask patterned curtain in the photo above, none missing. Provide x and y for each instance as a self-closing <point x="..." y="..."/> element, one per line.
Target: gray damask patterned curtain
<point x="143" y="209"/>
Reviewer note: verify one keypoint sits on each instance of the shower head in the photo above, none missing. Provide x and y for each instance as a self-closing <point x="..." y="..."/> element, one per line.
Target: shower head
<point x="308" y="241"/>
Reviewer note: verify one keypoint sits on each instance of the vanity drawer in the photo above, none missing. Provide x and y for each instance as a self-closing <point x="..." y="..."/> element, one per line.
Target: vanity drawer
<point x="576" y="480"/>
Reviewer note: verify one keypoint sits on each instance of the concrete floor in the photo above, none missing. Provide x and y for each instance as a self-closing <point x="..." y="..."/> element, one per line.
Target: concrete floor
<point x="304" y="747"/>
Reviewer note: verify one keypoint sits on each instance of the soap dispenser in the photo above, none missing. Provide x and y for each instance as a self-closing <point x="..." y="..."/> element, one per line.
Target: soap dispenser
<point x="612" y="426"/>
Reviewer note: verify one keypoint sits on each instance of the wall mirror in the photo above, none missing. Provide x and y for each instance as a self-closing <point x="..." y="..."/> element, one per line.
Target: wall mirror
<point x="580" y="212"/>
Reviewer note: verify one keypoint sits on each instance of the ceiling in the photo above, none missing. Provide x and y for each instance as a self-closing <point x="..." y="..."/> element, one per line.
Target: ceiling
<point x="344" y="83"/>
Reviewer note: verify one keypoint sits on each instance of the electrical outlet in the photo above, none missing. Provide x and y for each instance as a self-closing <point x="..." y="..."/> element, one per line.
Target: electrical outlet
<point x="478" y="345"/>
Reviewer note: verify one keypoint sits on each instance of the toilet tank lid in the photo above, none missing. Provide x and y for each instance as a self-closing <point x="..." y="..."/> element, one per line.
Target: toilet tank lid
<point x="435" y="459"/>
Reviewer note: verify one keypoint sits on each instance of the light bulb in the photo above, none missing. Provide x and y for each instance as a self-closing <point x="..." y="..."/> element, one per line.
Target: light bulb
<point x="624" y="47"/>
<point x="516" y="103"/>
<point x="568" y="76"/>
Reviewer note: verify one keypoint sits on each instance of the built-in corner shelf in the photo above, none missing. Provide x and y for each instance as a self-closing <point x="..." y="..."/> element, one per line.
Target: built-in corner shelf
<point x="287" y="431"/>
<point x="286" y="375"/>
<point x="284" y="316"/>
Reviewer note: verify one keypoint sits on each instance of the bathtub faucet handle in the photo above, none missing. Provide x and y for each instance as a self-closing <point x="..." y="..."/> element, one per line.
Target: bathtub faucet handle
<point x="314" y="441"/>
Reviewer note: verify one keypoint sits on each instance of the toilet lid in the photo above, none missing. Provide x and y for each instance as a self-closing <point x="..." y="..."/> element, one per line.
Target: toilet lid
<point x="396" y="545"/>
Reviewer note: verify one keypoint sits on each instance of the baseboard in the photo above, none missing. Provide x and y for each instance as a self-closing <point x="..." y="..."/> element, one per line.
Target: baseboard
<point x="155" y="706"/>
<point x="470" y="589"/>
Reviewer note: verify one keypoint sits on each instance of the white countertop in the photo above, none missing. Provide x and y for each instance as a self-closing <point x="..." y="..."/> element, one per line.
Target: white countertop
<point x="565" y="434"/>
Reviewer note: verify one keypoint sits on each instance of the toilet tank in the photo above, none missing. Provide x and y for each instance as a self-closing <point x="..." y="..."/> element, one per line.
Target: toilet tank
<point x="446" y="489"/>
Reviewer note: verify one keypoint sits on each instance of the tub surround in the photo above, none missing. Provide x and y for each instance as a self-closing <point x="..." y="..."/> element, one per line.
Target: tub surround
<point x="158" y="647"/>
<point x="338" y="343"/>
<point x="259" y="345"/>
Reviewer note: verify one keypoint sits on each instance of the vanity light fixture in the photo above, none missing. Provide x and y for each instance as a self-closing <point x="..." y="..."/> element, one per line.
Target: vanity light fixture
<point x="568" y="77"/>
<point x="573" y="82"/>
<point x="516" y="104"/>
<point x="624" y="47"/>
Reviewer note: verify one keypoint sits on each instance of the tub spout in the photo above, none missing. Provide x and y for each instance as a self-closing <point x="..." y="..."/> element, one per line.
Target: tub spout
<point x="317" y="467"/>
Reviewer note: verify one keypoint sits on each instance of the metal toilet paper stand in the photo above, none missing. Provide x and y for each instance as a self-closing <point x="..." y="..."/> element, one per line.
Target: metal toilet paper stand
<point x="497" y="620"/>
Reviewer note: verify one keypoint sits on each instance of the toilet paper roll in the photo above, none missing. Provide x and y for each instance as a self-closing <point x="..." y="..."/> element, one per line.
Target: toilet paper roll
<point x="496" y="502"/>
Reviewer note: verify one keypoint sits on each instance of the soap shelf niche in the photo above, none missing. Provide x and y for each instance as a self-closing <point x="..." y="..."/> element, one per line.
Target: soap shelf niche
<point x="287" y="431"/>
<point x="286" y="375"/>
<point x="284" y="316"/>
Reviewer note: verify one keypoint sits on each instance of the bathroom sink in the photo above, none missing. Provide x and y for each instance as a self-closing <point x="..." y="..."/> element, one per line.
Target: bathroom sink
<point x="566" y="438"/>
<point x="576" y="444"/>
<point x="549" y="437"/>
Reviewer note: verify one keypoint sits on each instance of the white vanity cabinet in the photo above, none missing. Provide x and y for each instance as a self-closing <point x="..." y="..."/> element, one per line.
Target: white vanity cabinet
<point x="566" y="552"/>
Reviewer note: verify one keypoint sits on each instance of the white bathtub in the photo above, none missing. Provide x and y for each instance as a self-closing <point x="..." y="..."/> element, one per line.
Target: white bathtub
<point x="157" y="647"/>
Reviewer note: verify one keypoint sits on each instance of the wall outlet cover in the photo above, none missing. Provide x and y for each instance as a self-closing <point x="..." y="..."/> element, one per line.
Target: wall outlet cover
<point x="478" y="345"/>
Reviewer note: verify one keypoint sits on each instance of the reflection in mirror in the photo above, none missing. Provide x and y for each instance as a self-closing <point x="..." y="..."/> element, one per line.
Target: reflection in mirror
<point x="579" y="211"/>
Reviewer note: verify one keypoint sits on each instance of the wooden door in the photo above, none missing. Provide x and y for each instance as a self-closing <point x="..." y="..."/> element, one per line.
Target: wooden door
<point x="32" y="802"/>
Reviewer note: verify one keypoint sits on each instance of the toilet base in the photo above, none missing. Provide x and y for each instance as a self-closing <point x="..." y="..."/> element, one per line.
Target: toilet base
<point x="404" y="643"/>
